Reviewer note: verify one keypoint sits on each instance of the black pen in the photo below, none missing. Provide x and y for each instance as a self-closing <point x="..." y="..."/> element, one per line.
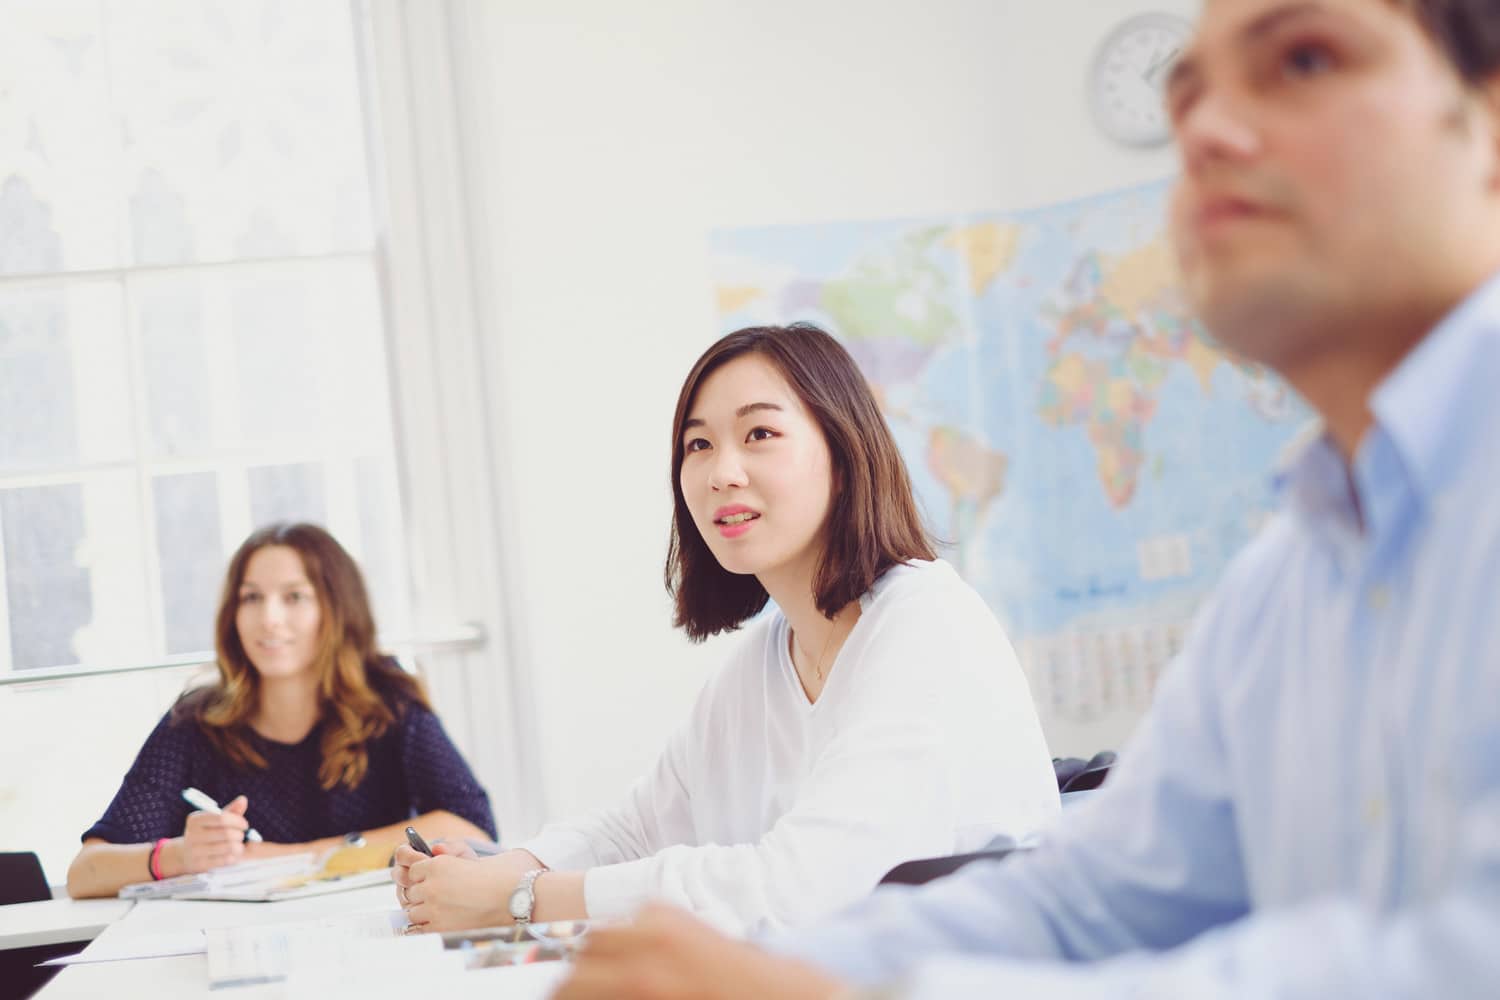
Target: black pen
<point x="415" y="840"/>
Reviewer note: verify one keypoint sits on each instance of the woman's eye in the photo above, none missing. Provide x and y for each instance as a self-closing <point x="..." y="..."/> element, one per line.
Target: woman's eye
<point x="1307" y="60"/>
<point x="249" y="598"/>
<point x="761" y="434"/>
<point x="296" y="597"/>
<point x="696" y="444"/>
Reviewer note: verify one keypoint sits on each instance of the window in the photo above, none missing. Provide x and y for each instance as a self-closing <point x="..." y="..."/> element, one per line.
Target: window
<point x="191" y="345"/>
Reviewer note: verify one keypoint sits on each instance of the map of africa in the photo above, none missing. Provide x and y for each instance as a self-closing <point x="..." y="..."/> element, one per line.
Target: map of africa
<point x="1089" y="457"/>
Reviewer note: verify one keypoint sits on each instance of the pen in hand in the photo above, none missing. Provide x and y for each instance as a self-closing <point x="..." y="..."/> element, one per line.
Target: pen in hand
<point x="199" y="800"/>
<point x="417" y="843"/>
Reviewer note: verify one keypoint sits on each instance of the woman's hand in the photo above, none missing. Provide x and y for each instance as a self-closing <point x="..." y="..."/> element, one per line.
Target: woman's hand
<point x="210" y="840"/>
<point x="406" y="856"/>
<point x="453" y="849"/>
<point x="452" y="891"/>
<point x="667" y="954"/>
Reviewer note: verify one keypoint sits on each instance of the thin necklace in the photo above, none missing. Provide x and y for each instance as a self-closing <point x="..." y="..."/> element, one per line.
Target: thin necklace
<point x="818" y="665"/>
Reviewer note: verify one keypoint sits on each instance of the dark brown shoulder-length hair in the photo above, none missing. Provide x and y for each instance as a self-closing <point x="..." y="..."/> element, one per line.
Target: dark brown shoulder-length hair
<point x="873" y="522"/>
<point x="360" y="692"/>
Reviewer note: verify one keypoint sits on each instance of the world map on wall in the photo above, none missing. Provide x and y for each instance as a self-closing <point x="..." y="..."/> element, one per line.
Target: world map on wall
<point x="1089" y="457"/>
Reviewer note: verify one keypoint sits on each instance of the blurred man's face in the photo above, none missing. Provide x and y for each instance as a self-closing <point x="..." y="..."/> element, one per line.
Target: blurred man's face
<point x="1336" y="175"/>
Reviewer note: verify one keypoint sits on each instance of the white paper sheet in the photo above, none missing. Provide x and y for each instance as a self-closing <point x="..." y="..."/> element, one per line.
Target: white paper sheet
<point x="132" y="946"/>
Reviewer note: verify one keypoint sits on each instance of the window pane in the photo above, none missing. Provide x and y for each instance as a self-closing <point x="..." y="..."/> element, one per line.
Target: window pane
<point x="277" y="360"/>
<point x="174" y="363"/>
<point x="47" y="592"/>
<point x="191" y="554"/>
<point x="307" y="358"/>
<point x="287" y="493"/>
<point x="246" y="135"/>
<point x="62" y="395"/>
<point x="38" y="418"/>
<point x="59" y="140"/>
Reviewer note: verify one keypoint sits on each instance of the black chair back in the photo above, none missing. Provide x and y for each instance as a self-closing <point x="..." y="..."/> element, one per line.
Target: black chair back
<point x="924" y="870"/>
<point x="1073" y="775"/>
<point x="22" y="879"/>
<point x="1077" y="775"/>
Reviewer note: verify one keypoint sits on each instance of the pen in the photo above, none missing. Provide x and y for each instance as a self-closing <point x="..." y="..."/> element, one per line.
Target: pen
<point x="198" y="800"/>
<point x="415" y="840"/>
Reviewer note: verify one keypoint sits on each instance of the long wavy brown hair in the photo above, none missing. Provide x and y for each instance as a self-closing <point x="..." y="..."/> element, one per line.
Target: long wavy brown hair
<point x="361" y="693"/>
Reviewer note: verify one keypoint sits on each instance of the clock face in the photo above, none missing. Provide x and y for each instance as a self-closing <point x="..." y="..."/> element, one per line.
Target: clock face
<point x="1127" y="78"/>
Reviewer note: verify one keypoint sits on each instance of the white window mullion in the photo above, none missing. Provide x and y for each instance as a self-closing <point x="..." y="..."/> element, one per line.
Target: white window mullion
<point x="140" y="436"/>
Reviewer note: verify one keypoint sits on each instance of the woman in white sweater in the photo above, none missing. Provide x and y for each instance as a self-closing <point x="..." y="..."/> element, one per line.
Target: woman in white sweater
<point x="877" y="714"/>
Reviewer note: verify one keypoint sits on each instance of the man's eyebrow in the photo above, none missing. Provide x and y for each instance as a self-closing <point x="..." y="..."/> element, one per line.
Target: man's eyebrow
<point x="1184" y="73"/>
<point x="1273" y="19"/>
<point x="1188" y="69"/>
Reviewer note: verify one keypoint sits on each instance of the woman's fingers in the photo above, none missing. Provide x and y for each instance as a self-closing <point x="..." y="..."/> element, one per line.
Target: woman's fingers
<point x="419" y="872"/>
<point x="406" y="855"/>
<point x="458" y="849"/>
<point x="210" y="825"/>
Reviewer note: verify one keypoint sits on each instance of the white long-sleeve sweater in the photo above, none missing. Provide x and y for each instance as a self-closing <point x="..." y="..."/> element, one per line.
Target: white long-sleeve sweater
<point x="766" y="810"/>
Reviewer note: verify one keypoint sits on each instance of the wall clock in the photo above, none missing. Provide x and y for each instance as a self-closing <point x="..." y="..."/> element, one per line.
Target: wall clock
<point x="1127" y="77"/>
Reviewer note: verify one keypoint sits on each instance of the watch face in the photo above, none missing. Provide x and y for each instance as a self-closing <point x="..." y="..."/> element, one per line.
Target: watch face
<point x="1126" y="83"/>
<point x="520" y="903"/>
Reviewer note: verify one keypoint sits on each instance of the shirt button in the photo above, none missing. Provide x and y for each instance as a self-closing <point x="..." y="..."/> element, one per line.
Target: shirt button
<point x="1380" y="597"/>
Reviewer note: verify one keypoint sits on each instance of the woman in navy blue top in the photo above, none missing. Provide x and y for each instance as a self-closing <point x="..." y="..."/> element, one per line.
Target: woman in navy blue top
<point x="310" y="735"/>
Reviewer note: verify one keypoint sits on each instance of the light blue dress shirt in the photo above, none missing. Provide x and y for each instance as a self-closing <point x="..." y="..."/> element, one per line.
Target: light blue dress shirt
<point x="1312" y="807"/>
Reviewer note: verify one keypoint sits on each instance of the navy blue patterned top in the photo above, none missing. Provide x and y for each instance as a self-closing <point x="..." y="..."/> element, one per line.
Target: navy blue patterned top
<point x="414" y="769"/>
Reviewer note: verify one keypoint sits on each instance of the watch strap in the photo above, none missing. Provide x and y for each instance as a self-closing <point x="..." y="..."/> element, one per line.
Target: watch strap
<point x="527" y="884"/>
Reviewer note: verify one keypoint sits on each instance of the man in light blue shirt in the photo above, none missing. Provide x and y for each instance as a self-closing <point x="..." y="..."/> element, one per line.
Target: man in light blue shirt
<point x="1312" y="807"/>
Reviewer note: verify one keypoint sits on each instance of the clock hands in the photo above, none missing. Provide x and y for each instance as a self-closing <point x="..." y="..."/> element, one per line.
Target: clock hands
<point x="1152" y="76"/>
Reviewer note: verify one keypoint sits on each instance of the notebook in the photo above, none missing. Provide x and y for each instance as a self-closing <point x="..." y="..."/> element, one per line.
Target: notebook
<point x="294" y="887"/>
<point x="246" y="873"/>
<point x="268" y="880"/>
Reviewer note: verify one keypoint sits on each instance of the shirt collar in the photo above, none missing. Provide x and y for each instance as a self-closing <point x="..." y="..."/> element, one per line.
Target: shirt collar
<point x="1427" y="423"/>
<point x="1432" y="405"/>
<point x="1313" y="478"/>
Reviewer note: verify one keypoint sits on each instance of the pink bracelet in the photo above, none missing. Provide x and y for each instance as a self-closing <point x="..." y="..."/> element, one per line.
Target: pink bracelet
<point x="156" y="859"/>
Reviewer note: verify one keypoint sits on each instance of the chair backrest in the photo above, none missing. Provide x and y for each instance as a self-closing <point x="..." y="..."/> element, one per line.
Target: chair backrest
<point x="924" y="870"/>
<point x="22" y="879"/>
<point x="1075" y="775"/>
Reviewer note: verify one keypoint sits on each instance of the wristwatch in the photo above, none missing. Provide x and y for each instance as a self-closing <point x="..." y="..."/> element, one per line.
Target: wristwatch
<point x="523" y="898"/>
<point x="355" y="839"/>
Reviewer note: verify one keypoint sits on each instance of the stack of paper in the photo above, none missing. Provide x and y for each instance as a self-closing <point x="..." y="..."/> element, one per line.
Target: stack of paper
<point x="294" y="887"/>
<point x="265" y="871"/>
<point x="267" y="953"/>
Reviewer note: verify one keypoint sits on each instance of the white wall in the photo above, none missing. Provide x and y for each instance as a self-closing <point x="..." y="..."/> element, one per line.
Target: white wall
<point x="615" y="137"/>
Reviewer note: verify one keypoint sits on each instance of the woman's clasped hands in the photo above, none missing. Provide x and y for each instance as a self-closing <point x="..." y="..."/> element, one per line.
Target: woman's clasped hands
<point x="455" y="889"/>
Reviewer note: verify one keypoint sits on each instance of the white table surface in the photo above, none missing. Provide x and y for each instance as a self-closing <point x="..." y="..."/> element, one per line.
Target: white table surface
<point x="187" y="975"/>
<point x="57" y="921"/>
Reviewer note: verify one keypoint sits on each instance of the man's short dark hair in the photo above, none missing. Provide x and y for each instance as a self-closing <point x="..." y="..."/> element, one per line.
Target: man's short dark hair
<point x="873" y="522"/>
<point x="1466" y="31"/>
